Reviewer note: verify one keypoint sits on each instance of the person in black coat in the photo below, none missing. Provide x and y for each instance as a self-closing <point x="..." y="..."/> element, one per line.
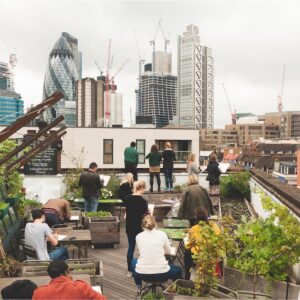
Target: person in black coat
<point x="168" y="157"/>
<point x="213" y="171"/>
<point x="126" y="186"/>
<point x="136" y="208"/>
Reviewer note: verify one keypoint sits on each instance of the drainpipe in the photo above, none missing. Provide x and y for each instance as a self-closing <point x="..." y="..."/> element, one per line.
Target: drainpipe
<point x="298" y="167"/>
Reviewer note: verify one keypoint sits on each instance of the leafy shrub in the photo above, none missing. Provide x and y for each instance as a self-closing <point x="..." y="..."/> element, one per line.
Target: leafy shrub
<point x="235" y="185"/>
<point x="113" y="185"/>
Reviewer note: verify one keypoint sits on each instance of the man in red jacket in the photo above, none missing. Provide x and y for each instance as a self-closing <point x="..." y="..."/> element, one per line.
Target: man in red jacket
<point x="62" y="287"/>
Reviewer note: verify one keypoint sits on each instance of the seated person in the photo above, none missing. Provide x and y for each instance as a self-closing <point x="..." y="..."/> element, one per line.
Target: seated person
<point x="152" y="265"/>
<point x="201" y="214"/>
<point x="56" y="211"/>
<point x="20" y="289"/>
<point x="36" y="235"/>
<point x="63" y="287"/>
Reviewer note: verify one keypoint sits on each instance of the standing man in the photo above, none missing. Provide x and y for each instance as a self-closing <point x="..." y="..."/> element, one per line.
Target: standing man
<point x="91" y="187"/>
<point x="131" y="158"/>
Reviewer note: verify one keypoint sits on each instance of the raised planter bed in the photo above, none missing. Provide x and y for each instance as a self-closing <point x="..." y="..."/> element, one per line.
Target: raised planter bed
<point x="218" y="292"/>
<point x="237" y="280"/>
<point x="161" y="211"/>
<point x="104" y="228"/>
<point x="235" y="207"/>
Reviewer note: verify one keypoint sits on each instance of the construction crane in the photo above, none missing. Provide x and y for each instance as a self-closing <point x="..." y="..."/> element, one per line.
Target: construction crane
<point x="163" y="33"/>
<point x="99" y="68"/>
<point x="141" y="64"/>
<point x="233" y="114"/>
<point x="114" y="76"/>
<point x="280" y="106"/>
<point x="107" y="110"/>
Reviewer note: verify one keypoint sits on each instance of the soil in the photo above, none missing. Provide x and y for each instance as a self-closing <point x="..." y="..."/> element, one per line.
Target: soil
<point x="236" y="207"/>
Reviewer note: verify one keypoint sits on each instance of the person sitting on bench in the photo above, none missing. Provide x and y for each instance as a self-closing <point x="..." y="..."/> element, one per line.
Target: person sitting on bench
<point x="152" y="266"/>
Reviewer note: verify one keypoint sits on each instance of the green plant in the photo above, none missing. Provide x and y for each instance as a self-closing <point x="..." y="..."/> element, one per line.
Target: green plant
<point x="235" y="185"/>
<point x="11" y="178"/>
<point x="106" y="193"/>
<point x="154" y="296"/>
<point x="9" y="267"/>
<point x="71" y="178"/>
<point x="100" y="213"/>
<point x="113" y="185"/>
<point x="25" y="206"/>
<point x="267" y="247"/>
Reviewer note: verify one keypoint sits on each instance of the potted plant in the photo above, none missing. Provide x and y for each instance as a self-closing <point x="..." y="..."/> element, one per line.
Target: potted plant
<point x="266" y="248"/>
<point x="103" y="226"/>
<point x="209" y="249"/>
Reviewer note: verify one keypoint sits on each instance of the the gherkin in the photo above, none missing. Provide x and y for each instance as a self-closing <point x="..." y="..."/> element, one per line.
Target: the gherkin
<point x="61" y="75"/>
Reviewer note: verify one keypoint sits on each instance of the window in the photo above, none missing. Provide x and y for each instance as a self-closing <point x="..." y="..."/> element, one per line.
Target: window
<point x="108" y="151"/>
<point x="140" y="146"/>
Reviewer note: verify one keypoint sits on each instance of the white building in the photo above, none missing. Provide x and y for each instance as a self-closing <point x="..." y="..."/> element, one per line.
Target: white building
<point x="116" y="106"/>
<point x="195" y="71"/>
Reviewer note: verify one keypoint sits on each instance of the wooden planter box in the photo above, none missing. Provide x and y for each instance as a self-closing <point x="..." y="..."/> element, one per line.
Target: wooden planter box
<point x="104" y="230"/>
<point x="219" y="293"/>
<point x="237" y="280"/>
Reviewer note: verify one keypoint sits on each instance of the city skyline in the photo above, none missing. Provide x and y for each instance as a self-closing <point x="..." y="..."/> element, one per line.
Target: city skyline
<point x="251" y="41"/>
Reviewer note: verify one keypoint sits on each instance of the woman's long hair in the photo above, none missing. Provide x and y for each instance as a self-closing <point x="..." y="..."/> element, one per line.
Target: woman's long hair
<point x="201" y="214"/>
<point x="191" y="159"/>
<point x="128" y="177"/>
<point x="154" y="148"/>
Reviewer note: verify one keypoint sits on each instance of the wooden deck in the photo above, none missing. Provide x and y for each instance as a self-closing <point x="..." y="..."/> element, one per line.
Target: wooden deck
<point x="115" y="284"/>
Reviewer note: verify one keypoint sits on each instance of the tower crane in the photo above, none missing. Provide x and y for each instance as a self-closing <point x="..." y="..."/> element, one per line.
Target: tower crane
<point x="114" y="76"/>
<point x="280" y="106"/>
<point x="99" y="68"/>
<point x="163" y="33"/>
<point x="233" y="114"/>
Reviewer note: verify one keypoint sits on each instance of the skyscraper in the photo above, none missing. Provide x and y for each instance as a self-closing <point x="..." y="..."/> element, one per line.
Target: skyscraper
<point x="195" y="71"/>
<point x="158" y="90"/>
<point x="64" y="66"/>
<point x="11" y="104"/>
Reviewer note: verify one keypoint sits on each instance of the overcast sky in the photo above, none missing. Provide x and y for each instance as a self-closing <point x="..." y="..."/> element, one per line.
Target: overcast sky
<point x="251" y="41"/>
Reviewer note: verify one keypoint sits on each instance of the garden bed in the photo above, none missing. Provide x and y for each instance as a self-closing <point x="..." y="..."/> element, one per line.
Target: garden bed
<point x="236" y="207"/>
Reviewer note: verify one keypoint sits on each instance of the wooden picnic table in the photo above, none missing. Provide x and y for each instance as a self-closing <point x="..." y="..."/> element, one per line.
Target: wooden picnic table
<point x="40" y="280"/>
<point x="78" y="238"/>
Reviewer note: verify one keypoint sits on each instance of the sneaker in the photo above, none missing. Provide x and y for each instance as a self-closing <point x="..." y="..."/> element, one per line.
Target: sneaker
<point x="129" y="274"/>
<point x="171" y="189"/>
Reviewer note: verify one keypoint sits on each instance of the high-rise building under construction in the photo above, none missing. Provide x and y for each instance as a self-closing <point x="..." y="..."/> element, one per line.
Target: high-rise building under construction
<point x="157" y="92"/>
<point x="195" y="71"/>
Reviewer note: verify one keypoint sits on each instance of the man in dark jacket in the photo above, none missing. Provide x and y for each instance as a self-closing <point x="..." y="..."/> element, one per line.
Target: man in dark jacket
<point x="131" y="159"/>
<point x="91" y="187"/>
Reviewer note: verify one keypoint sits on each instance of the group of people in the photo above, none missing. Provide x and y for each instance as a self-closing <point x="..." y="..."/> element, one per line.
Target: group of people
<point x="61" y="286"/>
<point x="152" y="244"/>
<point x="131" y="159"/>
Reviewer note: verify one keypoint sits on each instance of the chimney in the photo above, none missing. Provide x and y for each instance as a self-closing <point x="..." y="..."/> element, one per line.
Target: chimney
<point x="298" y="167"/>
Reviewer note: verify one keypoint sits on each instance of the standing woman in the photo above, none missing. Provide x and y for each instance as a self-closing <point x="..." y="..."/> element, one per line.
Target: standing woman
<point x="213" y="173"/>
<point x="169" y="157"/>
<point x="191" y="165"/>
<point x="136" y="208"/>
<point x="126" y="186"/>
<point x="154" y="163"/>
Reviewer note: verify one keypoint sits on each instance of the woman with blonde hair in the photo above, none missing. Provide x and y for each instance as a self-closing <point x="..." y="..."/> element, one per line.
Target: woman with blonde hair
<point x="191" y="165"/>
<point x="169" y="157"/>
<point x="194" y="196"/>
<point x="151" y="264"/>
<point x="136" y="208"/>
<point x="126" y="186"/>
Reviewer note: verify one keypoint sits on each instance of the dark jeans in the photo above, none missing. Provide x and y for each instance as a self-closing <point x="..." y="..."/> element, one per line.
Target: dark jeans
<point x="60" y="253"/>
<point x="131" y="168"/>
<point x="152" y="174"/>
<point x="188" y="262"/>
<point x="52" y="219"/>
<point x="173" y="274"/>
<point x="90" y="203"/>
<point x="131" y="247"/>
<point x="168" y="177"/>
